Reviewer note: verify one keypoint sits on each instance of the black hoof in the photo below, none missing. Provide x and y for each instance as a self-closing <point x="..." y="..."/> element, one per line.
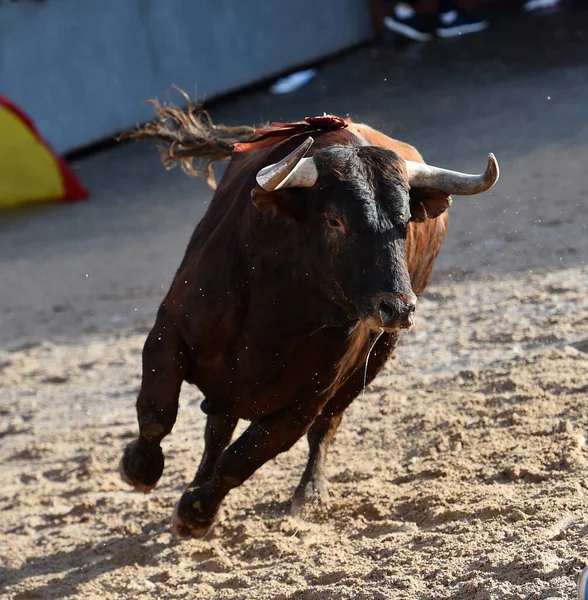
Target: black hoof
<point x="191" y="517"/>
<point x="310" y="497"/>
<point x="141" y="465"/>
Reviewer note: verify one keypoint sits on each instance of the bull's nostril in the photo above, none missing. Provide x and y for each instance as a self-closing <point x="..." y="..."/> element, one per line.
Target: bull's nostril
<point x="397" y="311"/>
<point x="387" y="312"/>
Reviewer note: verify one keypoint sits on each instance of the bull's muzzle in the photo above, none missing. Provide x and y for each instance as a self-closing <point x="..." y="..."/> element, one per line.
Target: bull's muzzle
<point x="396" y="312"/>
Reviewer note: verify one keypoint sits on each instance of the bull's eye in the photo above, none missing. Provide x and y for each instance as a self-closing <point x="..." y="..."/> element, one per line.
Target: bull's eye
<point x="335" y="224"/>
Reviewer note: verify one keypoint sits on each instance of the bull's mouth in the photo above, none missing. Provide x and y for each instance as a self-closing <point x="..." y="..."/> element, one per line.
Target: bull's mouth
<point x="377" y="323"/>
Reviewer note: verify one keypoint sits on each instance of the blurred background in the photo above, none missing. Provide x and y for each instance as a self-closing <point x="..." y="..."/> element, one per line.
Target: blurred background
<point x="82" y="72"/>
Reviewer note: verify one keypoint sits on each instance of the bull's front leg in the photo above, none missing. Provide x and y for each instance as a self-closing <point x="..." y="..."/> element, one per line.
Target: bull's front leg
<point x="164" y="365"/>
<point x="313" y="487"/>
<point x="261" y="441"/>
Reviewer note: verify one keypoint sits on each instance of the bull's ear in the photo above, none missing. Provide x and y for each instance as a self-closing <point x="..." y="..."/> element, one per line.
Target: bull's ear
<point x="287" y="203"/>
<point x="427" y="203"/>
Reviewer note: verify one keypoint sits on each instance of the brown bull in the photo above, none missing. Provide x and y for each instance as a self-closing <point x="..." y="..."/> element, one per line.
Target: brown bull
<point x="312" y="253"/>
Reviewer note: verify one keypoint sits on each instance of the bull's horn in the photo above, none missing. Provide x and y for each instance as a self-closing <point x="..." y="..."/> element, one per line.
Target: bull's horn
<point x="291" y="171"/>
<point x="452" y="182"/>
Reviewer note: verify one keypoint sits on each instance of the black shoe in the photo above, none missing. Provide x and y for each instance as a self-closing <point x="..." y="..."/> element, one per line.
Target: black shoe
<point x="535" y="5"/>
<point x="410" y="27"/>
<point x="454" y="23"/>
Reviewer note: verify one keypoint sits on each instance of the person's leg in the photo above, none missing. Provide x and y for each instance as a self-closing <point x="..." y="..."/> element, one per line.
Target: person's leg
<point x="447" y="5"/>
<point x="406" y="21"/>
<point x="535" y="5"/>
<point x="455" y="21"/>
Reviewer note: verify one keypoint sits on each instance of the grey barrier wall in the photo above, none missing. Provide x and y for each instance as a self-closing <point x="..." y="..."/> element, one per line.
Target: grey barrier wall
<point x="83" y="68"/>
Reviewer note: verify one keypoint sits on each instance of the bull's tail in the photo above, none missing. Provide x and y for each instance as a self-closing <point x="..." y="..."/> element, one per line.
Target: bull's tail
<point x="185" y="134"/>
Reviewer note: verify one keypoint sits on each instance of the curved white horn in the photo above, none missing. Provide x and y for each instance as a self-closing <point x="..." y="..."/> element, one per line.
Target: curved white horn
<point x="291" y="171"/>
<point x="452" y="182"/>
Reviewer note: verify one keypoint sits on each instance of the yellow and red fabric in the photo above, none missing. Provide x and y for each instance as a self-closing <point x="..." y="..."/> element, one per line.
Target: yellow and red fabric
<point x="30" y="171"/>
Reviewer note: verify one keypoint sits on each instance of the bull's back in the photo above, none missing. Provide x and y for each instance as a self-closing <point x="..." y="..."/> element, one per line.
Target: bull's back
<point x="215" y="265"/>
<point x="377" y="138"/>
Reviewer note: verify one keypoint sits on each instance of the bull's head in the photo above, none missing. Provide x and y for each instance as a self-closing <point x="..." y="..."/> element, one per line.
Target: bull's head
<point x="353" y="205"/>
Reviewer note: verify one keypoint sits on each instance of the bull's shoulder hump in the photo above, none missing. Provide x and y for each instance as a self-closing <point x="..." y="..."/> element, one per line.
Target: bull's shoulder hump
<point x="377" y="138"/>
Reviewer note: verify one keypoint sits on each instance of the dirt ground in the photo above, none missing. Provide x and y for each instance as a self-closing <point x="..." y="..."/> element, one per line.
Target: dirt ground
<point x="461" y="473"/>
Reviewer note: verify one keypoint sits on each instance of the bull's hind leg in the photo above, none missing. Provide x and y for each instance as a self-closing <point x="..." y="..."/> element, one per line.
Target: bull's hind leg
<point x="164" y="362"/>
<point x="217" y="436"/>
<point x="313" y="487"/>
<point x="261" y="441"/>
